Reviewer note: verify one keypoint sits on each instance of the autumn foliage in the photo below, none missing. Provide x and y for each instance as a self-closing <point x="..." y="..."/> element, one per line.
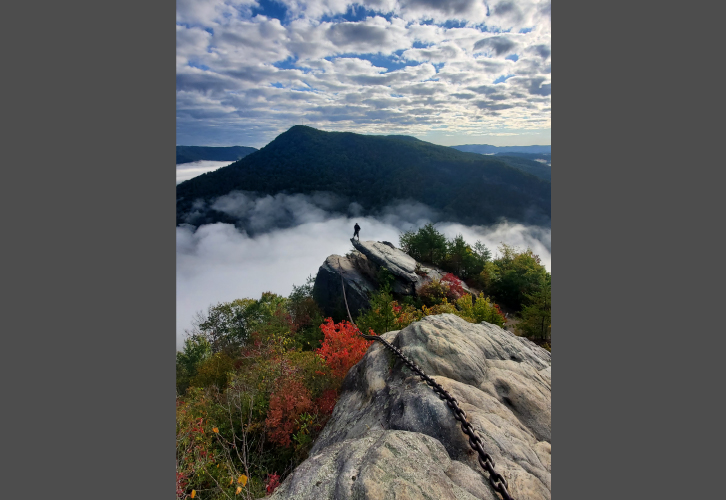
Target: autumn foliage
<point x="456" y="290"/>
<point x="342" y="347"/>
<point x="291" y="400"/>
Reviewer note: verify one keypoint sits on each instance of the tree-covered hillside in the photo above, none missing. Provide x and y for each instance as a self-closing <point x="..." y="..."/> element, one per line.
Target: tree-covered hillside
<point x="528" y="165"/>
<point x="376" y="171"/>
<point x="188" y="154"/>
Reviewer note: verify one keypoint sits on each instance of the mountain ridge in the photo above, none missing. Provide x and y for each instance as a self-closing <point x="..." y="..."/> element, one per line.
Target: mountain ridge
<point x="375" y="171"/>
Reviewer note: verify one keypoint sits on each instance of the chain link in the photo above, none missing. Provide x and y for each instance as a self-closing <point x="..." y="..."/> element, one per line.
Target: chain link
<point x="496" y="480"/>
<point x="485" y="460"/>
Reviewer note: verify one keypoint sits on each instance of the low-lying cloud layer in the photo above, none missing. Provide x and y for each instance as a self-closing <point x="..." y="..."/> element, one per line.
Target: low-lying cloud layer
<point x="186" y="171"/>
<point x="220" y="263"/>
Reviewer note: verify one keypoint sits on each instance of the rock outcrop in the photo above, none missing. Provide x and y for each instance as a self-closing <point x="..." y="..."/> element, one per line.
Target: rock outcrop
<point x="327" y="290"/>
<point x="390" y="436"/>
<point x="360" y="270"/>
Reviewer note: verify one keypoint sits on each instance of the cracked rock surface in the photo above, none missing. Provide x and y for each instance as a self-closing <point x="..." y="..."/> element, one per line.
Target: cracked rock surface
<point x="391" y="437"/>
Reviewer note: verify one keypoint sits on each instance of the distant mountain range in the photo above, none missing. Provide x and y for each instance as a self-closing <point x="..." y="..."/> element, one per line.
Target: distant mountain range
<point x="376" y="172"/>
<point x="188" y="154"/>
<point x="486" y="149"/>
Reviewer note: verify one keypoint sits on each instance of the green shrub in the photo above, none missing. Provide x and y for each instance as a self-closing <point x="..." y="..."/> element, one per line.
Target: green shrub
<point x="480" y="310"/>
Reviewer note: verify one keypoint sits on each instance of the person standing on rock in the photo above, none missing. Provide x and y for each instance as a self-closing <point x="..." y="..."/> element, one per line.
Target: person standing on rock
<point x="357" y="231"/>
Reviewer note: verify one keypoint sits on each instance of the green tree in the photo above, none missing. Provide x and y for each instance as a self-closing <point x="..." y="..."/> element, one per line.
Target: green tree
<point x="305" y="315"/>
<point x="228" y="325"/>
<point x="426" y="245"/>
<point x="537" y="315"/>
<point x="516" y="274"/>
<point x="196" y="349"/>
<point x="463" y="260"/>
<point x="213" y="371"/>
<point x="457" y="255"/>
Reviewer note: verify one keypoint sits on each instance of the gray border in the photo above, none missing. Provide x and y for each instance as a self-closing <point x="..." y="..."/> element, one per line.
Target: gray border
<point x="90" y="335"/>
<point x="89" y="250"/>
<point x="623" y="217"/>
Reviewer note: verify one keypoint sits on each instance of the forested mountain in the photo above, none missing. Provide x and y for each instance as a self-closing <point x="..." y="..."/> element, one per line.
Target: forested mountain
<point x="188" y="154"/>
<point x="528" y="164"/>
<point x="486" y="149"/>
<point x="376" y="171"/>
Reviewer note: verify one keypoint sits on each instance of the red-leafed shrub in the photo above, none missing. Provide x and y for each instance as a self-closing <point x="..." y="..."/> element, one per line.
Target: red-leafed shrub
<point x="273" y="481"/>
<point x="342" y="347"/>
<point x="287" y="403"/>
<point x="456" y="290"/>
<point x="326" y="402"/>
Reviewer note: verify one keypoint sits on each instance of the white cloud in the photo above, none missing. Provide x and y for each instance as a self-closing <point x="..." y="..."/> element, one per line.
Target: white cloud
<point x="186" y="171"/>
<point x="253" y="76"/>
<point x="207" y="12"/>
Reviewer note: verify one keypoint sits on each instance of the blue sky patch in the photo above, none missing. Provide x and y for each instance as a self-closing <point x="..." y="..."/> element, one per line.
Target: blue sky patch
<point x="272" y="9"/>
<point x="198" y="66"/>
<point x="356" y="13"/>
<point x="512" y="57"/>
<point x="390" y="63"/>
<point x="503" y="78"/>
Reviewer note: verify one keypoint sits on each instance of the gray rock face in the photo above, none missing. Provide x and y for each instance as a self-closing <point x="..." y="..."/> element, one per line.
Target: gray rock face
<point x="328" y="292"/>
<point x="360" y="271"/>
<point x="390" y="436"/>
<point x="410" y="275"/>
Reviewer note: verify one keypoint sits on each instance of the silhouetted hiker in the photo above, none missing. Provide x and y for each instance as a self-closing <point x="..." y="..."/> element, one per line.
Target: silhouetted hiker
<point x="357" y="231"/>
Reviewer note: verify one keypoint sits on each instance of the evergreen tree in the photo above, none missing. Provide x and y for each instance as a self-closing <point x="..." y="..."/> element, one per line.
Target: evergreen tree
<point x="426" y="245"/>
<point x="537" y="315"/>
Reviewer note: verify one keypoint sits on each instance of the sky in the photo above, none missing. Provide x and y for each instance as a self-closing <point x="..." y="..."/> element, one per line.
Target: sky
<point x="220" y="263"/>
<point x="448" y="72"/>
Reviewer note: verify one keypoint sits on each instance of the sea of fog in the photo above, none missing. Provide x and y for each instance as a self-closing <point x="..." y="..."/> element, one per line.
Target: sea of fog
<point x="290" y="237"/>
<point x="186" y="171"/>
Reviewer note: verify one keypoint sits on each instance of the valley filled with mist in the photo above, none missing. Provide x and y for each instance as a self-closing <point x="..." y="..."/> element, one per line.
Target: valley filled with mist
<point x="234" y="243"/>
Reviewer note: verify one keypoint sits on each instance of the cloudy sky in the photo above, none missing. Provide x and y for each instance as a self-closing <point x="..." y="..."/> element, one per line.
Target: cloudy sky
<point x="449" y="72"/>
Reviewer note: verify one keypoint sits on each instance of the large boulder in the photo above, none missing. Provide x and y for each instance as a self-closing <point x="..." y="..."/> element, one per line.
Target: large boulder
<point x="328" y="292"/>
<point x="390" y="436"/>
<point x="360" y="269"/>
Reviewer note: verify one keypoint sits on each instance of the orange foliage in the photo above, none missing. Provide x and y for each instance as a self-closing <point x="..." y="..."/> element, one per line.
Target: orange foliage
<point x="343" y="347"/>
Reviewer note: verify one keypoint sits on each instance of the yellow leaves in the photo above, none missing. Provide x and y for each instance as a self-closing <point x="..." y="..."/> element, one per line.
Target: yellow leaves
<point x="194" y="493"/>
<point x="216" y="430"/>
<point x="242" y="480"/>
<point x="239" y="490"/>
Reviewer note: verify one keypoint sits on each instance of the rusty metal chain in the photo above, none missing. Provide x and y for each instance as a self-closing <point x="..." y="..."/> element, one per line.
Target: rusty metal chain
<point x="485" y="460"/>
<point x="496" y="480"/>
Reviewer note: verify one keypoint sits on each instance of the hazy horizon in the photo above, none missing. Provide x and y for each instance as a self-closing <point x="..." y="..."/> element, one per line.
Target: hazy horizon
<point x="513" y="142"/>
